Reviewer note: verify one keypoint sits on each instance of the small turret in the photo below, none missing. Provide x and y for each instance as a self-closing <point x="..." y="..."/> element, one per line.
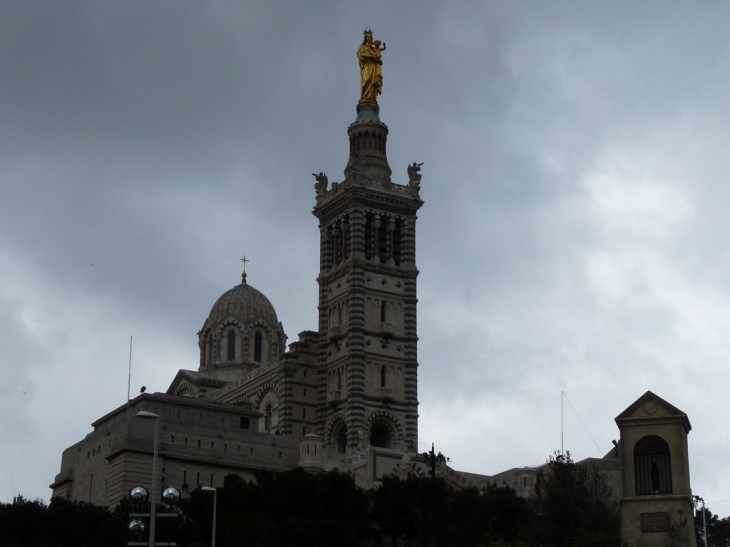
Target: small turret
<point x="310" y="453"/>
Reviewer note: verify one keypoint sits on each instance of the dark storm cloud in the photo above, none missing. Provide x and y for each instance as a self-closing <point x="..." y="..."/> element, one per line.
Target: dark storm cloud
<point x="572" y="237"/>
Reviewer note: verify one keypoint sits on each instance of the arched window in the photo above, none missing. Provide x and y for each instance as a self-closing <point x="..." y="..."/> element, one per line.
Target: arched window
<point x="211" y="354"/>
<point x="652" y="466"/>
<point x="231" y="345"/>
<point x="341" y="438"/>
<point x="383" y="376"/>
<point x="383" y="311"/>
<point x="257" y="343"/>
<point x="267" y="418"/>
<point x="269" y="409"/>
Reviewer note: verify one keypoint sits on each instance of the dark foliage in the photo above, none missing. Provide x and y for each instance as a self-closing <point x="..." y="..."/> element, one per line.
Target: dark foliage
<point x="574" y="507"/>
<point x="281" y="509"/>
<point x="62" y="523"/>
<point x="427" y="512"/>
<point x="718" y="530"/>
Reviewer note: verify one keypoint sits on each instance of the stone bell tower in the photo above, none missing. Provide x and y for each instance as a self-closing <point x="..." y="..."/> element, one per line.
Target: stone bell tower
<point x="367" y="383"/>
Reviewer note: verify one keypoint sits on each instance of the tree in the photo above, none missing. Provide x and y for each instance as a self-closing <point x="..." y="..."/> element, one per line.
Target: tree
<point x="420" y="511"/>
<point x="33" y="523"/>
<point x="720" y="535"/>
<point x="506" y="514"/>
<point x="574" y="507"/>
<point x="295" y="508"/>
<point x="413" y="510"/>
<point x="23" y="522"/>
<point x="718" y="530"/>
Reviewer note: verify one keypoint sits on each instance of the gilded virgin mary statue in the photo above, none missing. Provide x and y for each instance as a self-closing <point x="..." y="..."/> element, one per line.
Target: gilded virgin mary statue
<point x="371" y="74"/>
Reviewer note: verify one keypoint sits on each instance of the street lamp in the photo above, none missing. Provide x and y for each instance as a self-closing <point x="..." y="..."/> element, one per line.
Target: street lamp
<point x="215" y="508"/>
<point x="153" y="506"/>
<point x="704" y="518"/>
<point x="431" y="459"/>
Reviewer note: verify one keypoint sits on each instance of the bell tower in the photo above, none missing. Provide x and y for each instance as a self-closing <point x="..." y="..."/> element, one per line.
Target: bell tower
<point x="367" y="380"/>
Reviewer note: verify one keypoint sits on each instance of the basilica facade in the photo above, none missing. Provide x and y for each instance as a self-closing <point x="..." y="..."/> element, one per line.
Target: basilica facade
<point x="343" y="396"/>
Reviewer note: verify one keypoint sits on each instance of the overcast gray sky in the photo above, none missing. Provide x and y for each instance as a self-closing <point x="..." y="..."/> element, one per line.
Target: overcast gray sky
<point x="574" y="236"/>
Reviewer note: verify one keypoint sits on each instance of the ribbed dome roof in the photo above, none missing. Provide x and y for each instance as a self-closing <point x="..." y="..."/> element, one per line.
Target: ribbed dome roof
<point x="244" y="303"/>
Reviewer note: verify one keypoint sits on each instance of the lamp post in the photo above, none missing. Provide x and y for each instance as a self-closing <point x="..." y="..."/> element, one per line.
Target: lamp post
<point x="215" y="508"/>
<point x="704" y="518"/>
<point x="153" y="491"/>
<point x="431" y="459"/>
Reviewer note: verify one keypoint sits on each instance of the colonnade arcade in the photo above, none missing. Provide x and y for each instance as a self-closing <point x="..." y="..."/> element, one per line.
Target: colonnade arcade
<point x="382" y="430"/>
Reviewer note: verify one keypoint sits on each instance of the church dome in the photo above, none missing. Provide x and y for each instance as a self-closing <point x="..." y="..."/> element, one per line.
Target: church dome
<point x="244" y="303"/>
<point x="240" y="334"/>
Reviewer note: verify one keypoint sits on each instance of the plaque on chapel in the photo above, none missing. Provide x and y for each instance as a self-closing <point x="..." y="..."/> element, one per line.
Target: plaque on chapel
<point x="654" y="522"/>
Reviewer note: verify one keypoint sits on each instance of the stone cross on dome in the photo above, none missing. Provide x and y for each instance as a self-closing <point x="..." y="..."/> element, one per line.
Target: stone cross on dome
<point x="243" y="276"/>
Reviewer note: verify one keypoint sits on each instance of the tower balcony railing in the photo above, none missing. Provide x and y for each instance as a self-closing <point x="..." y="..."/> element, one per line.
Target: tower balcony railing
<point x="334" y="396"/>
<point x="386" y="328"/>
<point x="386" y="392"/>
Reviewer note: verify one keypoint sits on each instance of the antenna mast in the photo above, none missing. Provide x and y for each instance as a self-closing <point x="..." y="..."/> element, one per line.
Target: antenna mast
<point x="562" y="398"/>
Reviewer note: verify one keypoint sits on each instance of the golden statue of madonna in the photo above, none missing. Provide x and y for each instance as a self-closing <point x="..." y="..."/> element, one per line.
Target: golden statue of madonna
<point x="371" y="73"/>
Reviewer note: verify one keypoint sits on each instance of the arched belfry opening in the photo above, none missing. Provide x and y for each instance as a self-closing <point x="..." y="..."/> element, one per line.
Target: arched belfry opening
<point x="337" y="241"/>
<point x="382" y="434"/>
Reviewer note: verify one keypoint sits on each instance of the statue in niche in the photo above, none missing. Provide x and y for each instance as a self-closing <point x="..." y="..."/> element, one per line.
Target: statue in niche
<point x="655" y="478"/>
<point x="371" y="74"/>
<point x="414" y="175"/>
<point x="321" y="185"/>
<point x="405" y="467"/>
